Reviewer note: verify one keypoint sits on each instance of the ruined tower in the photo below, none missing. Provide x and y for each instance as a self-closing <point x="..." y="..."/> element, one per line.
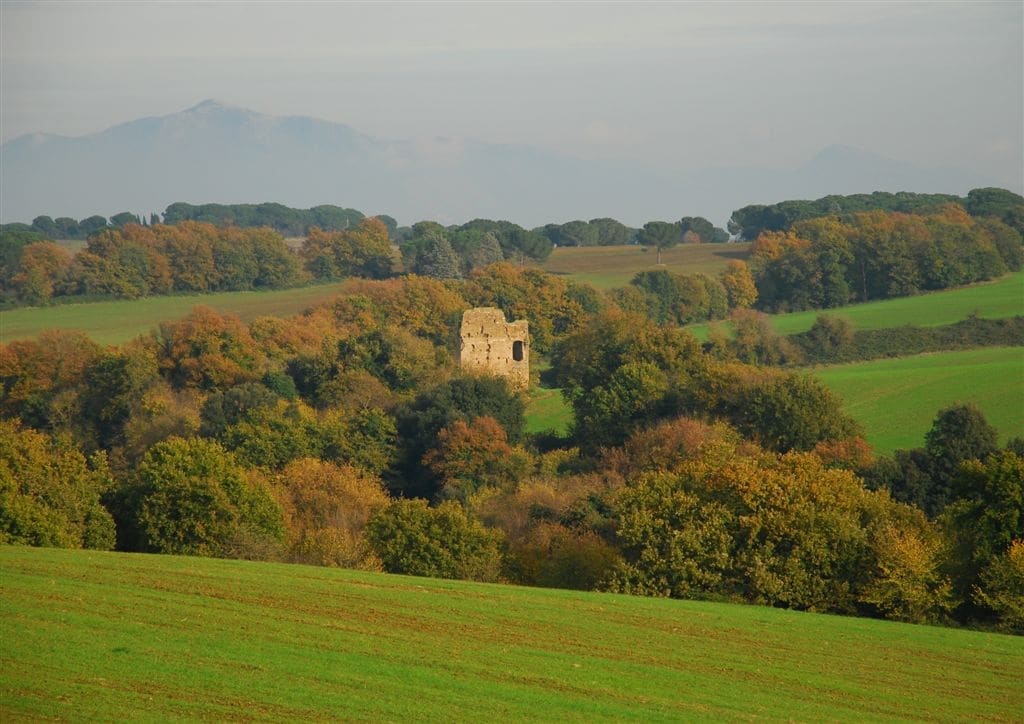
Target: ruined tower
<point x="493" y="346"/>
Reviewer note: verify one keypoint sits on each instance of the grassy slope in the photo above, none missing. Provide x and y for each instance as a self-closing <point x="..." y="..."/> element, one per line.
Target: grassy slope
<point x="110" y="636"/>
<point x="547" y="411"/>
<point x="992" y="300"/>
<point x="116" y="322"/>
<point x="607" y="267"/>
<point x="897" y="399"/>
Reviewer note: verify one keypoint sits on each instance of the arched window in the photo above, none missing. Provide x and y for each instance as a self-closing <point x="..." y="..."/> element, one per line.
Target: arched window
<point x="517" y="351"/>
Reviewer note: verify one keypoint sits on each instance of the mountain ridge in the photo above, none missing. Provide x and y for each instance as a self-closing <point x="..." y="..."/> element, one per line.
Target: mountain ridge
<point x="214" y="152"/>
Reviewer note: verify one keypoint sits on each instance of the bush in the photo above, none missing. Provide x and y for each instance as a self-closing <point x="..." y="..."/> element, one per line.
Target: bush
<point x="442" y="542"/>
<point x="192" y="498"/>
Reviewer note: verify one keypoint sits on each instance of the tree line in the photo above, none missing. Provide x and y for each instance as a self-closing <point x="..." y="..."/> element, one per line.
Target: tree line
<point x="826" y="262"/>
<point x="347" y="436"/>
<point x="749" y="222"/>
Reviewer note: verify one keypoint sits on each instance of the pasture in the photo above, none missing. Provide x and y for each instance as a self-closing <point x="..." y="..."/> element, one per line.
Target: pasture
<point x="997" y="299"/>
<point x="897" y="399"/>
<point x="608" y="267"/>
<point x="116" y="322"/>
<point x="108" y="636"/>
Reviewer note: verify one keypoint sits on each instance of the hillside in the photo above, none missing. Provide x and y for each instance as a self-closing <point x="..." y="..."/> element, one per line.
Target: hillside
<point x="118" y="321"/>
<point x="896" y="399"/>
<point x="608" y="267"/>
<point x="113" y="636"/>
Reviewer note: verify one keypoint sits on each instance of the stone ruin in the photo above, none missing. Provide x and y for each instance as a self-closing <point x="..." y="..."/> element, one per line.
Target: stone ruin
<point x="490" y="345"/>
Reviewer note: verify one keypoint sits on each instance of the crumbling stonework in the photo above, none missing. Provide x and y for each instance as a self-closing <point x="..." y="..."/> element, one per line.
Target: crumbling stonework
<point x="493" y="346"/>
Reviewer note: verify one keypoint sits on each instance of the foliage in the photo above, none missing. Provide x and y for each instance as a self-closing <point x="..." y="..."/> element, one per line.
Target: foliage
<point x="49" y="494"/>
<point x="191" y="497"/>
<point x="750" y="221"/>
<point x="516" y="242"/>
<point x="821" y="263"/>
<point x="462" y="398"/>
<point x="1001" y="588"/>
<point x="207" y="350"/>
<point x="660" y="234"/>
<point x="777" y="530"/>
<point x="985" y="520"/>
<point x="364" y="252"/>
<point x="474" y="454"/>
<point x="671" y="298"/>
<point x="443" y="542"/>
<point x="326" y="509"/>
<point x="284" y="220"/>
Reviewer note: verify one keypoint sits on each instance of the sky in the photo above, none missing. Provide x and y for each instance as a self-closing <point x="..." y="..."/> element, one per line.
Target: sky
<point x="668" y="85"/>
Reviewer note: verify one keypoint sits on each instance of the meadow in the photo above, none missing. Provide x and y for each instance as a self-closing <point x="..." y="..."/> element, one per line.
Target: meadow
<point x="608" y="267"/>
<point x="997" y="299"/>
<point x="113" y="636"/>
<point x="116" y="322"/>
<point x="896" y="399"/>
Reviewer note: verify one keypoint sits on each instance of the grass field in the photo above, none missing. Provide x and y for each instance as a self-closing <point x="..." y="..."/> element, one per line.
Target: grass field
<point x="607" y="267"/>
<point x="897" y="399"/>
<point x="546" y="411"/>
<point x="991" y="300"/>
<point x="104" y="636"/>
<point x="118" y="321"/>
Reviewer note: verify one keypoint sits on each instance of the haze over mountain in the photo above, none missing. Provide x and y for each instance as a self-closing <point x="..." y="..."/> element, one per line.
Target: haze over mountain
<point x="215" y="152"/>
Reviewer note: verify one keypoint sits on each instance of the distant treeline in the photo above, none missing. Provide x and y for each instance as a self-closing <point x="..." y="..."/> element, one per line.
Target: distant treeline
<point x="283" y="219"/>
<point x="748" y="223"/>
<point x="828" y="262"/>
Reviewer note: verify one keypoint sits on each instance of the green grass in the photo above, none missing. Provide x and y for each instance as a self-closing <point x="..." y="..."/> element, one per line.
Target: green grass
<point x="116" y="322"/>
<point x="897" y="399"/>
<point x="998" y="299"/>
<point x="103" y="636"/>
<point x="608" y="267"/>
<point x="546" y="410"/>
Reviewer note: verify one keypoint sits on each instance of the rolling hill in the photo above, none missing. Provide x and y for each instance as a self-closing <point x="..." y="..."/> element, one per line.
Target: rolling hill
<point x="107" y="636"/>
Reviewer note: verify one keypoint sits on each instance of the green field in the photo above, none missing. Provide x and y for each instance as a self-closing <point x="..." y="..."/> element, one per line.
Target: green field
<point x="546" y="411"/>
<point x="116" y="322"/>
<point x="608" y="267"/>
<point x="106" y="636"/>
<point x="991" y="300"/>
<point x="896" y="399"/>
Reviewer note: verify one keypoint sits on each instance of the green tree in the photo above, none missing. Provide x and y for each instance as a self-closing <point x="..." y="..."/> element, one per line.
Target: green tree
<point x="611" y="232"/>
<point x="49" y="494"/>
<point x="192" y="498"/>
<point x="1001" y="589"/>
<point x="462" y="398"/>
<point x="985" y="520"/>
<point x="436" y="258"/>
<point x="660" y="234"/>
<point x="442" y="542"/>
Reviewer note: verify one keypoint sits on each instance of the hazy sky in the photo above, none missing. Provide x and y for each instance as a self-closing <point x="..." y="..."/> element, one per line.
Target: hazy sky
<point x="686" y="85"/>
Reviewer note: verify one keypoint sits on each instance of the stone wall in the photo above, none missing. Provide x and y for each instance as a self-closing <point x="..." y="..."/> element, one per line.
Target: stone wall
<point x="490" y="345"/>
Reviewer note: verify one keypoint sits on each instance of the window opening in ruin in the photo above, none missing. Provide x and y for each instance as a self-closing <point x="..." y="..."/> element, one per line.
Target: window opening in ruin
<point x="517" y="351"/>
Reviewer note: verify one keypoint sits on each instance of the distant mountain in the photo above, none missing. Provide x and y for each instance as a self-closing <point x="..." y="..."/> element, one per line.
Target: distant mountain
<point x="214" y="152"/>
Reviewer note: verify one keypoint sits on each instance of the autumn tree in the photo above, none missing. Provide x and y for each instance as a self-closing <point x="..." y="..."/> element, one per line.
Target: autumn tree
<point x="473" y="454"/>
<point x="41" y="272"/>
<point x="462" y="398"/>
<point x="984" y="522"/>
<point x="327" y="508"/>
<point x="207" y="350"/>
<point x="739" y="285"/>
<point x="363" y="252"/>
